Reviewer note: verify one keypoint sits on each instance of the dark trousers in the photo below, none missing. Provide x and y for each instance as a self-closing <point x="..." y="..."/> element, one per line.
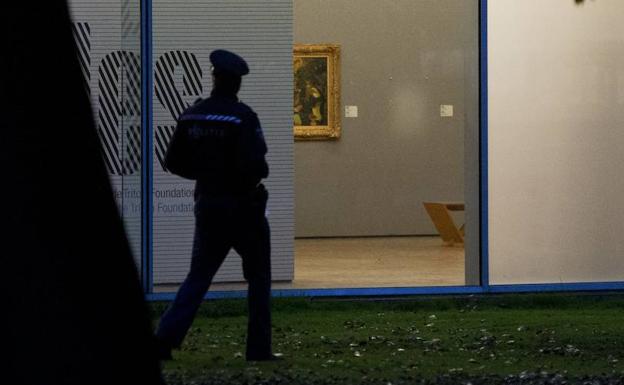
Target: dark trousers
<point x="224" y="222"/>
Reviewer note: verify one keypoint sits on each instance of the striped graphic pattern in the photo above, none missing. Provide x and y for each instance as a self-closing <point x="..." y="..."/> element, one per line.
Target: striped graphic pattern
<point x="102" y="27"/>
<point x="166" y="87"/>
<point x="82" y="37"/>
<point x="120" y="111"/>
<point x="162" y="136"/>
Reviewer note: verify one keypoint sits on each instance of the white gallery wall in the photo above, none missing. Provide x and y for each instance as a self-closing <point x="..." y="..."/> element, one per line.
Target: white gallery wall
<point x="556" y="141"/>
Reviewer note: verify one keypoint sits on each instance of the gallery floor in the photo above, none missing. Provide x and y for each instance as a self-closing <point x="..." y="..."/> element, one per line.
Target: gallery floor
<point x="368" y="262"/>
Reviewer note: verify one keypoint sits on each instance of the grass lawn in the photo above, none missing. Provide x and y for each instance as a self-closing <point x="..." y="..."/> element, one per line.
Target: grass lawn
<point x="550" y="338"/>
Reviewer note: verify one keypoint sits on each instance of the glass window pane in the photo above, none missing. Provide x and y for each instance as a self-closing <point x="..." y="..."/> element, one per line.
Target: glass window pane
<point x="185" y="32"/>
<point x="107" y="34"/>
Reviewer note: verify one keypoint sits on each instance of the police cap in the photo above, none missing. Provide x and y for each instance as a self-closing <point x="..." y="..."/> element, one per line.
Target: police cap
<point x="228" y="62"/>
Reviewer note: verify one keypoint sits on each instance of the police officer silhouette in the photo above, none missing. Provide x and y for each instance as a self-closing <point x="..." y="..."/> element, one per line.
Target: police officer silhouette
<point x="219" y="143"/>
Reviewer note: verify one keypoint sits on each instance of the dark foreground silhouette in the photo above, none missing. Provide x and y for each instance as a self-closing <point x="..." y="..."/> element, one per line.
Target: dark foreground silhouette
<point x="72" y="307"/>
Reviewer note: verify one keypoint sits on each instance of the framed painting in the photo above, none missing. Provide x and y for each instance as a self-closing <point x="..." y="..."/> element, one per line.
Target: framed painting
<point x="316" y="105"/>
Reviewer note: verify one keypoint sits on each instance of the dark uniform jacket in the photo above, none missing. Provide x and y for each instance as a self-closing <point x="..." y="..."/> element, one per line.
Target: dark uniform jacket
<point x="219" y="143"/>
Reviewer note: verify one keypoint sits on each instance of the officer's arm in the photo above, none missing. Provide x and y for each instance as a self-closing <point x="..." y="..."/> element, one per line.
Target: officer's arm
<point x="177" y="157"/>
<point x="255" y="146"/>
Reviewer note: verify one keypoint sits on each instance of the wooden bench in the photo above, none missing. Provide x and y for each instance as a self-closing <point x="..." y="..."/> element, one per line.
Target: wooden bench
<point x="443" y="221"/>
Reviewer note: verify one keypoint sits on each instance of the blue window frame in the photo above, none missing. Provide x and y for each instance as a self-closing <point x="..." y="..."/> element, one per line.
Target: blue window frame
<point x="484" y="287"/>
<point x="146" y="148"/>
<point x="483" y="145"/>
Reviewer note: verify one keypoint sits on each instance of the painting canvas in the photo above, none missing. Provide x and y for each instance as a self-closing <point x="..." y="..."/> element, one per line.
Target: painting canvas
<point x="316" y="103"/>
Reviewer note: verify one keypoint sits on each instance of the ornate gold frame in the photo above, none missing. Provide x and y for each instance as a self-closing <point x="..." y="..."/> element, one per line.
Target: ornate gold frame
<point x="332" y="129"/>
